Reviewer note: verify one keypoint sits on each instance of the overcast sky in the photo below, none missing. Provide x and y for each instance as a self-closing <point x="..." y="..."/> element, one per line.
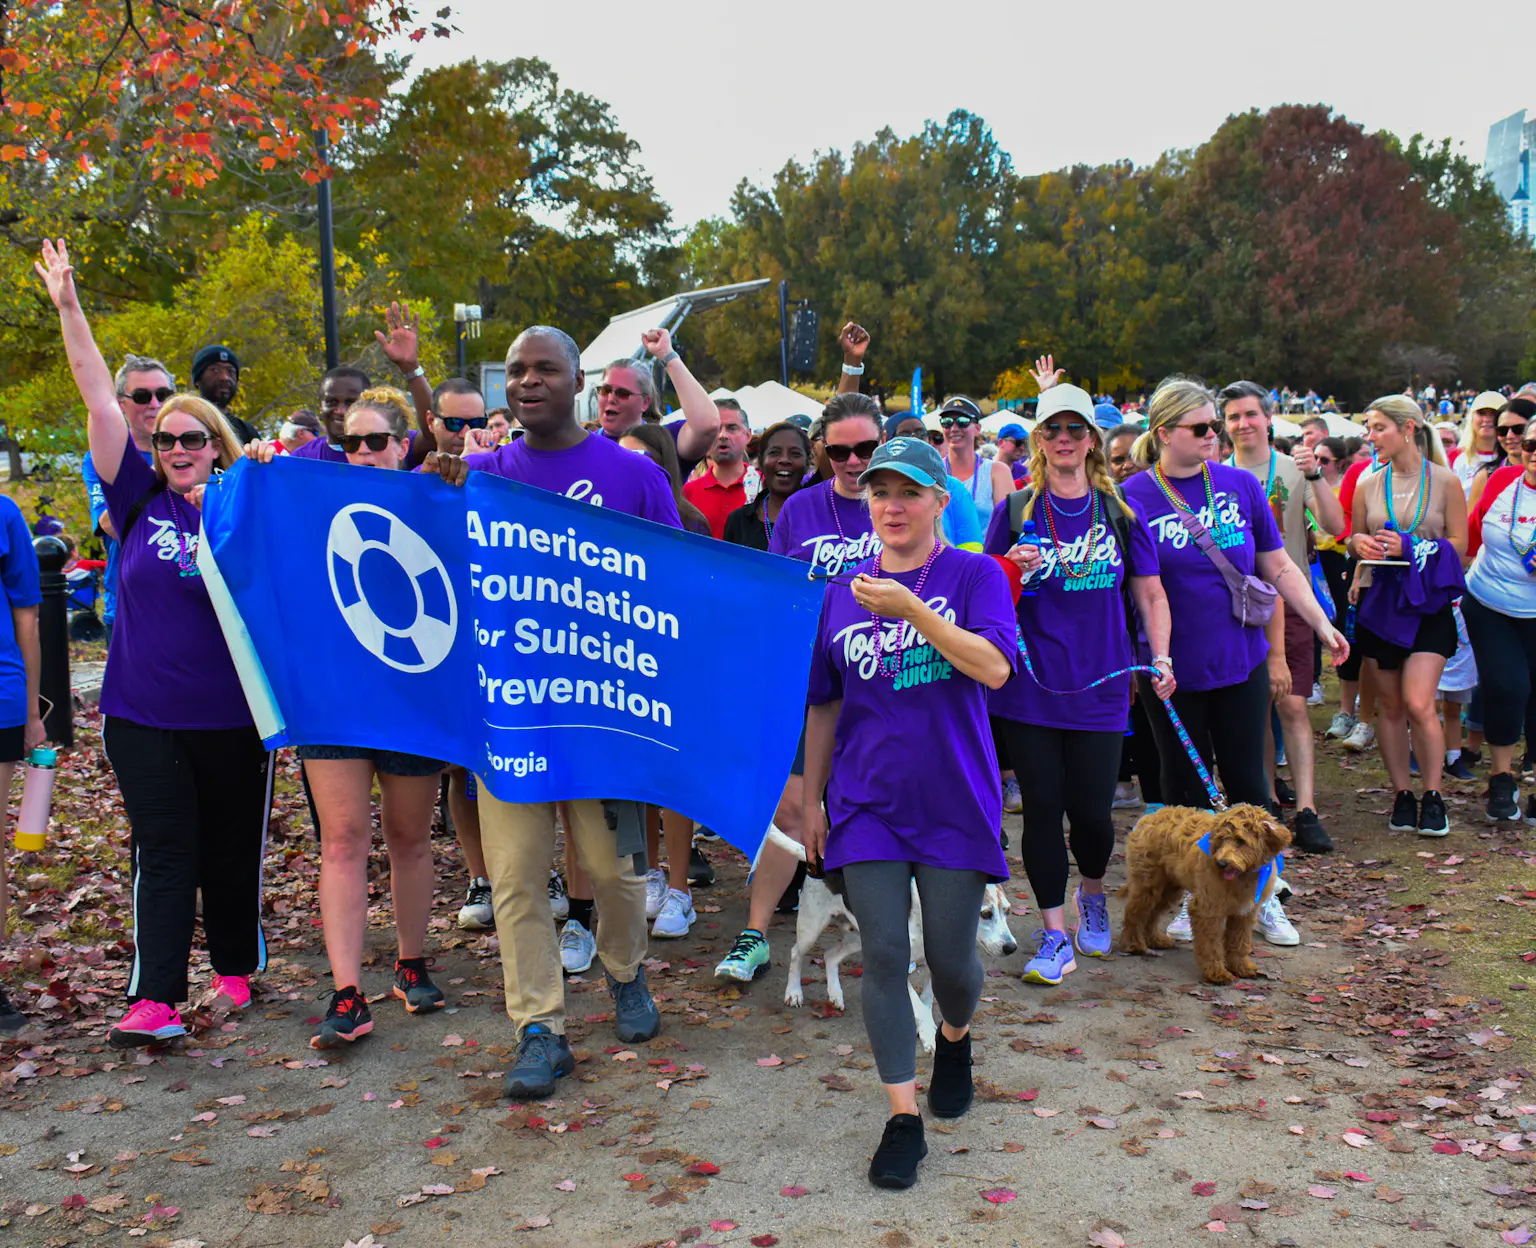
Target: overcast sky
<point x="717" y="91"/>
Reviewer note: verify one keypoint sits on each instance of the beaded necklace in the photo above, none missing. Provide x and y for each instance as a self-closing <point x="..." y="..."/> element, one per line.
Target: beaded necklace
<point x="1527" y="552"/>
<point x="186" y="560"/>
<point x="768" y="524"/>
<point x="1078" y="571"/>
<point x="1418" y="515"/>
<point x="890" y="665"/>
<point x="1177" y="501"/>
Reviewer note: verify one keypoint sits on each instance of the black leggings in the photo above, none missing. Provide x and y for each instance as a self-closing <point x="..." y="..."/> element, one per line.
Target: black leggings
<point x="1229" y="725"/>
<point x="1505" y="649"/>
<point x="1064" y="771"/>
<point x="197" y="803"/>
<point x="1138" y="756"/>
<point x="880" y="896"/>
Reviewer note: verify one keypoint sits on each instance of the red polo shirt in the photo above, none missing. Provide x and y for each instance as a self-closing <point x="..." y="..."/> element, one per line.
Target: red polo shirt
<point x="716" y="501"/>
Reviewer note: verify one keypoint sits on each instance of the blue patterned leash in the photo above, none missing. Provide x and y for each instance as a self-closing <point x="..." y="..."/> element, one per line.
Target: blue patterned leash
<point x="1217" y="801"/>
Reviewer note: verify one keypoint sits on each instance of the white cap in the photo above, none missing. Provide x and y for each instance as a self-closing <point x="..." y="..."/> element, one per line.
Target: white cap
<point x="1067" y="398"/>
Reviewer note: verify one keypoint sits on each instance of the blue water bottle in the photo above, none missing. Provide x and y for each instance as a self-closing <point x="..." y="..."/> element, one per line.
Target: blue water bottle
<point x="1349" y="624"/>
<point x="1029" y="538"/>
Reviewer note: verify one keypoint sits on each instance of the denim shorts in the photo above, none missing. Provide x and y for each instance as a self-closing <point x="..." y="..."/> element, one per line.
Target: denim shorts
<point x="387" y="762"/>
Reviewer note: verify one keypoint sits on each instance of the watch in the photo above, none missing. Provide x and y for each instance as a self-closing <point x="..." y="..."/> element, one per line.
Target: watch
<point x="1316" y="476"/>
<point x="853" y="370"/>
<point x="1163" y="658"/>
<point x="416" y="372"/>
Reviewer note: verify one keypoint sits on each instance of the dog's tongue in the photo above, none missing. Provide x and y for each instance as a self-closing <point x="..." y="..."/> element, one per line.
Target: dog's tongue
<point x="1229" y="873"/>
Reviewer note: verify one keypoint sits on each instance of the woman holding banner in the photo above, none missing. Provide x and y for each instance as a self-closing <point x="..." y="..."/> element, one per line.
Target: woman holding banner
<point x="195" y="779"/>
<point x="827" y="525"/>
<point x="906" y="650"/>
<point x="341" y="779"/>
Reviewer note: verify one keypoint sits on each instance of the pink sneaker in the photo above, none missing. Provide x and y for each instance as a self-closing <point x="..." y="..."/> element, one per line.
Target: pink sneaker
<point x="147" y="1022"/>
<point x="233" y="990"/>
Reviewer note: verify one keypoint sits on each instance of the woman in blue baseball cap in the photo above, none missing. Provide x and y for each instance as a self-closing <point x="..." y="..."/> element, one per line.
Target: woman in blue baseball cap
<point x="906" y="650"/>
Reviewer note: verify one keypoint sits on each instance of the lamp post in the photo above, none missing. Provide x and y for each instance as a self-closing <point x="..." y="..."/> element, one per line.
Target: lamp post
<point x="327" y="258"/>
<point x="466" y="325"/>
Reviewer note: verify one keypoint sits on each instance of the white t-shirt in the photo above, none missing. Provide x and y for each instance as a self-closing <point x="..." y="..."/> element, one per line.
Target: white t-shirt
<point x="1468" y="465"/>
<point x="1497" y="577"/>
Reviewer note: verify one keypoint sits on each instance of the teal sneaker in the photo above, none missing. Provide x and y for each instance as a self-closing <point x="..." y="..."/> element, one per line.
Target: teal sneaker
<point x="747" y="959"/>
<point x="1092" y="936"/>
<point x="1054" y="961"/>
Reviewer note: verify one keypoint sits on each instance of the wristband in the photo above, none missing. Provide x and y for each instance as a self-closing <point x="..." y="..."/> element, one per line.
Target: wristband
<point x="416" y="372"/>
<point x="853" y="370"/>
<point x="668" y="358"/>
<point x="1316" y="476"/>
<point x="1163" y="658"/>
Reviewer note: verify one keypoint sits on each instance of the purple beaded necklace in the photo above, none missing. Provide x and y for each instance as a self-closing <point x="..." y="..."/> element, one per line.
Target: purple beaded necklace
<point x="890" y="665"/>
<point x="186" y="560"/>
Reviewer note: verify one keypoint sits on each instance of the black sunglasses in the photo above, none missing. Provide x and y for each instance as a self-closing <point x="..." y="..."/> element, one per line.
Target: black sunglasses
<point x="1529" y="446"/>
<point x="143" y="395"/>
<point x="457" y="424"/>
<point x="619" y="392"/>
<point x="1075" y="430"/>
<point x="1506" y="430"/>
<point x="935" y="437"/>
<point x="1325" y="459"/>
<point x="351" y="443"/>
<point x="1203" y="429"/>
<point x="961" y="421"/>
<point x="841" y="454"/>
<point x="192" y="440"/>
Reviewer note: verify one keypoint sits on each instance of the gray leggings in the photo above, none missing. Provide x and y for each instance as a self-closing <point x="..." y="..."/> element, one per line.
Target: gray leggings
<point x="879" y="894"/>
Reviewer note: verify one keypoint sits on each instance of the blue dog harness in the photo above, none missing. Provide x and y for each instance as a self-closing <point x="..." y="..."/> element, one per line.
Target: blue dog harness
<point x="1275" y="866"/>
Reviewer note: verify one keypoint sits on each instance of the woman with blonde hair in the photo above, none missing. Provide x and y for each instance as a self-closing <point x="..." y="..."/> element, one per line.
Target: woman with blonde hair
<point x="1093" y="552"/>
<point x="195" y="779"/>
<point x="1412" y="516"/>
<point x="1215" y="537"/>
<point x="1479" y="437"/>
<point x="341" y="779"/>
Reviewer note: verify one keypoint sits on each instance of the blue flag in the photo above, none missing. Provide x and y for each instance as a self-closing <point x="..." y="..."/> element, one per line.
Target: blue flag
<point x="556" y="649"/>
<point x="917" y="391"/>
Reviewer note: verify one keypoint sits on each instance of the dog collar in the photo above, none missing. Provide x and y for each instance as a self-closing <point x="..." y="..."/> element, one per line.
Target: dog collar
<point x="1275" y="866"/>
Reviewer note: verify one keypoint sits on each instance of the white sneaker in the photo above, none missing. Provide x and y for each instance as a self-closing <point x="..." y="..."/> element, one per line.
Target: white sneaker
<point x="655" y="891"/>
<point x="1317" y="698"/>
<point x="1180" y="929"/>
<point x="1013" y="800"/>
<point x="559" y="902"/>
<point x="1361" y="737"/>
<point x="477" y="913"/>
<point x="1126" y="797"/>
<point x="1274" y="926"/>
<point x="577" y="947"/>
<point x="676" y="917"/>
<point x="1343" y="724"/>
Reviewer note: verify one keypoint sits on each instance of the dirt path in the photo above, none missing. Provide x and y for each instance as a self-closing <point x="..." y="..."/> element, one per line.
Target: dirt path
<point x="1366" y="1091"/>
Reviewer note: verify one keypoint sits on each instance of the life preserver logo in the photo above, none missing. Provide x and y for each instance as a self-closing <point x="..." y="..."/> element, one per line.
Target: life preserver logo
<point x="392" y="589"/>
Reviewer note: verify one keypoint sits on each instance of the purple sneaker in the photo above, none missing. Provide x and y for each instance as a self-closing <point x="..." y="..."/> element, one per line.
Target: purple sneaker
<point x="1053" y="962"/>
<point x="1092" y="935"/>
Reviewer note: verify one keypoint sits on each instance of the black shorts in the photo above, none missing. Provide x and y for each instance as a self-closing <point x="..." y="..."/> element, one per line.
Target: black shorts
<point x="13" y="744"/>
<point x="1436" y="635"/>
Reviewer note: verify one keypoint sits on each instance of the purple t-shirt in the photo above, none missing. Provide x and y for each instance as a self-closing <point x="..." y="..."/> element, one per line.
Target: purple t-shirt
<point x="1075" y="627"/>
<point x="595" y="471"/>
<point x="820" y="526"/>
<point x="885" y="803"/>
<point x="1210" y="649"/>
<point x="168" y="665"/>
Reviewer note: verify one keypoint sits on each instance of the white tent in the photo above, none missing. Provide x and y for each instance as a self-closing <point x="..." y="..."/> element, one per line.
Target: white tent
<point x="769" y="403"/>
<point x="994" y="422"/>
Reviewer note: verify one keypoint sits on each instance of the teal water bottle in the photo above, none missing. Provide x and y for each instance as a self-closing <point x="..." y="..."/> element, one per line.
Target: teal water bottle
<point x="1029" y="538"/>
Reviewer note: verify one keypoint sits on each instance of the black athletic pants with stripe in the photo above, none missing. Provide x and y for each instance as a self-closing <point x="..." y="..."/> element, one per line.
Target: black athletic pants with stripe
<point x="197" y="802"/>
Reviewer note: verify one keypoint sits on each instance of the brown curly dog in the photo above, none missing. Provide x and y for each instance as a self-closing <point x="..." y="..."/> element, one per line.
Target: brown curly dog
<point x="1165" y="861"/>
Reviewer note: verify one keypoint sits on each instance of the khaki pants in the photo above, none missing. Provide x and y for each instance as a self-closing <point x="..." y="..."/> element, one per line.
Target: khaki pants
<point x="519" y="844"/>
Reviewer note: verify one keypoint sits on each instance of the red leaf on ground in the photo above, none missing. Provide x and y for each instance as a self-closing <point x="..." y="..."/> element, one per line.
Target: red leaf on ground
<point x="794" y="1191"/>
<point x="999" y="1195"/>
<point x="77" y="1201"/>
<point x="1448" y="1147"/>
<point x="436" y="1141"/>
<point x="1029" y="1095"/>
<point x="1203" y="1189"/>
<point x="703" y="1167"/>
<point x="764" y="1241"/>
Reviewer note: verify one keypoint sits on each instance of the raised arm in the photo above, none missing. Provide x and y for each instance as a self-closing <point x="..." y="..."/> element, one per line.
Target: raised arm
<point x="1323" y="503"/>
<point x="402" y="347"/>
<point x="107" y="428"/>
<point x="701" y="418"/>
<point x="854" y="340"/>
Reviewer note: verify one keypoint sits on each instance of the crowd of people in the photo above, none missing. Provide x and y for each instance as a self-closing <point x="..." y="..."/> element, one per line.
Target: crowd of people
<point x="1024" y="618"/>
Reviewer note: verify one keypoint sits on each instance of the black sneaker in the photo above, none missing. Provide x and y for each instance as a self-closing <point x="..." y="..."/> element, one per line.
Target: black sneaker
<point x="1405" y="813"/>
<point x="1432" y="820"/>
<point x="1473" y="758"/>
<point x="950" y="1089"/>
<point x="1284" y="794"/>
<point x="635" y="1016"/>
<point x="1503" y="798"/>
<point x="700" y="873"/>
<point x="12" y="1020"/>
<point x="542" y="1057"/>
<point x="1308" y="834"/>
<point x="415" y="987"/>
<point x="348" y="1019"/>
<point x="1457" y="769"/>
<point x="901" y="1148"/>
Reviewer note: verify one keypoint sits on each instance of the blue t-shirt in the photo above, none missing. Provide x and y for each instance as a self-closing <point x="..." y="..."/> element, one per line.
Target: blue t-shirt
<point x="98" y="509"/>
<point x="19" y="574"/>
<point x="962" y="526"/>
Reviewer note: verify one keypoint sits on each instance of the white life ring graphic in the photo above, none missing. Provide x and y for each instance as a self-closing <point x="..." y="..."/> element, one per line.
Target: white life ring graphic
<point x="415" y="633"/>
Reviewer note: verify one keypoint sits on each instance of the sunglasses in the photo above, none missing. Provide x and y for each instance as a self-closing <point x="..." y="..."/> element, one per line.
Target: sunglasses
<point x="1529" y="446"/>
<point x="192" y="440"/>
<point x="1506" y="431"/>
<point x="1075" y="430"/>
<point x="935" y="438"/>
<point x="1202" y="429"/>
<point x="457" y="424"/>
<point x="1326" y="459"/>
<point x="841" y="454"/>
<point x="958" y="421"/>
<point x="618" y="392"/>
<point x="351" y="443"/>
<point x="142" y="396"/>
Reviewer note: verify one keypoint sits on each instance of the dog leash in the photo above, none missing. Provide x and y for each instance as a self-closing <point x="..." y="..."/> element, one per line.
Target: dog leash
<point x="1217" y="801"/>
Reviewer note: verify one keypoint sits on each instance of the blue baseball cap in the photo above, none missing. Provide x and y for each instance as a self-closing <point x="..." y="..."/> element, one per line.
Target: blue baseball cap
<point x="1107" y="415"/>
<point x="914" y="458"/>
<point x="1016" y="432"/>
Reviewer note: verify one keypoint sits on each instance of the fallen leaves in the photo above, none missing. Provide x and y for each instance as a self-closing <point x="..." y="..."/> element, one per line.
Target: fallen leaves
<point x="999" y="1195"/>
<point x="773" y="1059"/>
<point x="794" y="1192"/>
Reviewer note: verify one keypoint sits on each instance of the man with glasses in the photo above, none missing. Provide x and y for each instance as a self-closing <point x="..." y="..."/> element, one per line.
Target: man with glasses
<point x="143" y="384"/>
<point x="627" y="395"/>
<point x="722" y="489"/>
<point x="457" y="408"/>
<point x="1293" y="488"/>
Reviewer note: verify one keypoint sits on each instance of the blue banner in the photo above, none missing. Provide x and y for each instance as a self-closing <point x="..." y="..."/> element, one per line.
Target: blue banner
<point x="556" y="649"/>
<point x="917" y="391"/>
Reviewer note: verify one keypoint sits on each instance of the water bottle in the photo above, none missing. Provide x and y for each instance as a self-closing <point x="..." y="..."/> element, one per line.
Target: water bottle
<point x="1349" y="624"/>
<point x="1029" y="538"/>
<point x="36" y="800"/>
